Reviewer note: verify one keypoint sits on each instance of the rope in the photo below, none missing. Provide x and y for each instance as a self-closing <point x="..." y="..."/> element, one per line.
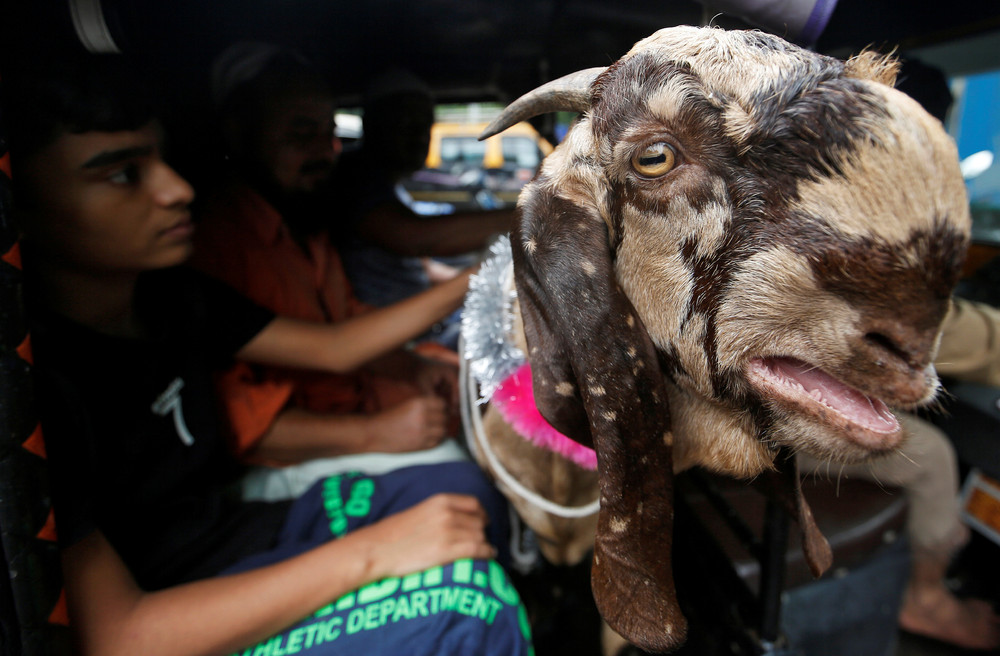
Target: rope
<point x="475" y="439"/>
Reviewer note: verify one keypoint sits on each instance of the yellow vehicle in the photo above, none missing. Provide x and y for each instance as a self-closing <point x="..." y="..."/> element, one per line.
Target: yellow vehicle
<point x="501" y="164"/>
<point x="457" y="144"/>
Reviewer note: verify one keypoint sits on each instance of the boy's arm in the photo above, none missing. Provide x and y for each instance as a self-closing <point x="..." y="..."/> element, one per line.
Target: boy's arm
<point x="398" y="229"/>
<point x="349" y="344"/>
<point x="111" y="615"/>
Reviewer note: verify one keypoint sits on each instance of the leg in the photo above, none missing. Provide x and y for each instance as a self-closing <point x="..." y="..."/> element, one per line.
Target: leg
<point x="925" y="467"/>
<point x="466" y="607"/>
<point x="344" y="502"/>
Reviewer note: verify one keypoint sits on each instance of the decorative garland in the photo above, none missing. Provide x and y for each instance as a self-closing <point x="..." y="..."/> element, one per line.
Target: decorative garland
<point x="487" y="321"/>
<point x="493" y="369"/>
<point x="515" y="400"/>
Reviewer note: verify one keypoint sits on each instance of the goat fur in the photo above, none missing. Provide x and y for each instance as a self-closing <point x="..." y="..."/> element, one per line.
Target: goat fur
<point x="807" y="236"/>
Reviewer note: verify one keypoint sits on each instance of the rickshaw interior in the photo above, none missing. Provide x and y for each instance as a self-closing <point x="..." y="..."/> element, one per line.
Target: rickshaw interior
<point x="485" y="54"/>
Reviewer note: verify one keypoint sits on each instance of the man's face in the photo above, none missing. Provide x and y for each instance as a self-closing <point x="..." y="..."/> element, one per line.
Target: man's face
<point x="295" y="142"/>
<point x="398" y="130"/>
<point x="106" y="203"/>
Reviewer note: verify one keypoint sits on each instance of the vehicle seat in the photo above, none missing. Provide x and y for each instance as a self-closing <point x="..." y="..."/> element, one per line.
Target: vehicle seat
<point x="32" y="617"/>
<point x="853" y="607"/>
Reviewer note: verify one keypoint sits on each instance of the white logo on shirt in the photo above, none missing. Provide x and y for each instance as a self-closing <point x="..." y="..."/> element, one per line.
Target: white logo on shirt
<point x="170" y="401"/>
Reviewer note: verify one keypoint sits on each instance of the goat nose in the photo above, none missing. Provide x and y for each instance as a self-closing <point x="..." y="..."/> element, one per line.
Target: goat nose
<point x="892" y="361"/>
<point x="896" y="343"/>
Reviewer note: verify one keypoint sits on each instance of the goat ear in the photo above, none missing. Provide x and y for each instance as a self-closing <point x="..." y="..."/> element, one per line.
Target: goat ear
<point x="597" y="379"/>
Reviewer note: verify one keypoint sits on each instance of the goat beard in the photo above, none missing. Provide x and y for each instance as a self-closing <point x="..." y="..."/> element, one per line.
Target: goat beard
<point x="784" y="486"/>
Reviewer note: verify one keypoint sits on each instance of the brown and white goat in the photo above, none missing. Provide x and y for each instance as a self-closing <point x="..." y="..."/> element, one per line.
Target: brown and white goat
<point x="741" y="247"/>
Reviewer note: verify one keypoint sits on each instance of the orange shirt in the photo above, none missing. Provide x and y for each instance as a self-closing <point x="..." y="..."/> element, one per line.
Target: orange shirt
<point x="242" y="240"/>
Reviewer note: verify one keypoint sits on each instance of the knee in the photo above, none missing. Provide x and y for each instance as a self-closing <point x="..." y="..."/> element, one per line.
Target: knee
<point x="929" y="452"/>
<point x="460" y="477"/>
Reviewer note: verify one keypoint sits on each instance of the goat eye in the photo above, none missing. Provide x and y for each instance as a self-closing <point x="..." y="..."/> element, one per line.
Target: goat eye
<point x="654" y="160"/>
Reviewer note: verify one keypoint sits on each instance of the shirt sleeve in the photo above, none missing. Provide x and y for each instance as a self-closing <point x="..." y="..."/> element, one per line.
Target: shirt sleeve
<point x="251" y="403"/>
<point x="250" y="399"/>
<point x="233" y="319"/>
<point x="970" y="343"/>
<point x="213" y="313"/>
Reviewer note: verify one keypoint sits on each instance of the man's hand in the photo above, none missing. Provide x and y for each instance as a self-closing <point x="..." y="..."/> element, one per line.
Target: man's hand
<point x="440" y="379"/>
<point x="415" y="424"/>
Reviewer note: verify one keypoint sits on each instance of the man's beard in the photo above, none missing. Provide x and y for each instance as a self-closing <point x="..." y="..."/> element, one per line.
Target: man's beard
<point x="307" y="212"/>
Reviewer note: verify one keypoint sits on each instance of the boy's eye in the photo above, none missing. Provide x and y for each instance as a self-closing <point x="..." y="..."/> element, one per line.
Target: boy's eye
<point x="125" y="175"/>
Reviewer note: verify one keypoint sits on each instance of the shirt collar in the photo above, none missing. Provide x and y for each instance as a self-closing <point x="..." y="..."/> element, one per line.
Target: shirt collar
<point x="260" y="215"/>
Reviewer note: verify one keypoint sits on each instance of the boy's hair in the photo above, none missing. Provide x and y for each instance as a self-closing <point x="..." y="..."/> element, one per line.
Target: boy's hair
<point x="84" y="94"/>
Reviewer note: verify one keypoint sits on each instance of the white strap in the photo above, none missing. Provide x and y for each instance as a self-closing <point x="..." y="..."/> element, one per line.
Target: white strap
<point x="475" y="438"/>
<point x="91" y="28"/>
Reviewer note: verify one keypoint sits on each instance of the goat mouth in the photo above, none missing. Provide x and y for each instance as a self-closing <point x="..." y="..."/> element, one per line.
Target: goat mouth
<point x="806" y="389"/>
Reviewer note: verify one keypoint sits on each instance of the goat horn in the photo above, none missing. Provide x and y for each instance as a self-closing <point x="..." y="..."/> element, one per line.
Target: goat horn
<point x="570" y="93"/>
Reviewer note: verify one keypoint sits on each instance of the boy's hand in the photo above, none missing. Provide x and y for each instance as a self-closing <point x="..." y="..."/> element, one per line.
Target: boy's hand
<point x="440" y="529"/>
<point x="438" y="271"/>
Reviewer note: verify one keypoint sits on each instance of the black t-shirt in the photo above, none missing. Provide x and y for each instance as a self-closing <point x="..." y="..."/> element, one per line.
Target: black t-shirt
<point x="131" y="431"/>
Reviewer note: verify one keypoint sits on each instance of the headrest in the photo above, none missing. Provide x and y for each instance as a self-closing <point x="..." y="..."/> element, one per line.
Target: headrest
<point x="395" y="82"/>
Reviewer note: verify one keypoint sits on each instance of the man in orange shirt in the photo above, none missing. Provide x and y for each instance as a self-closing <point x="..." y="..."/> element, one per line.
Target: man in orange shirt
<point x="260" y="233"/>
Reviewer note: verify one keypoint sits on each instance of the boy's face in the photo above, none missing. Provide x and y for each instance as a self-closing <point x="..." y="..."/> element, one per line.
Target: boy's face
<point x="105" y="202"/>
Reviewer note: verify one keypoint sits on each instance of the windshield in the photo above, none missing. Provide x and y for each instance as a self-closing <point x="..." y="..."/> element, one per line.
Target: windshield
<point x="975" y="125"/>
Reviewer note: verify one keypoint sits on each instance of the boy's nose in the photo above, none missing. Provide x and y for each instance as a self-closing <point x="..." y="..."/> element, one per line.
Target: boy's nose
<point x="171" y="188"/>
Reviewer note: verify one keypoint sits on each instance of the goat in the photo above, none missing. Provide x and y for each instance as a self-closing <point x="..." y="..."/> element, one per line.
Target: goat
<point x="741" y="249"/>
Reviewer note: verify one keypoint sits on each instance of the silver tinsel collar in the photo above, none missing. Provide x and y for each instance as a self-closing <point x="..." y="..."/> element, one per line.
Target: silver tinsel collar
<point x="487" y="321"/>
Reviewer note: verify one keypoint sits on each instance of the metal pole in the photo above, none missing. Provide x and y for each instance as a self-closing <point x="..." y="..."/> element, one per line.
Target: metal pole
<point x="772" y="571"/>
